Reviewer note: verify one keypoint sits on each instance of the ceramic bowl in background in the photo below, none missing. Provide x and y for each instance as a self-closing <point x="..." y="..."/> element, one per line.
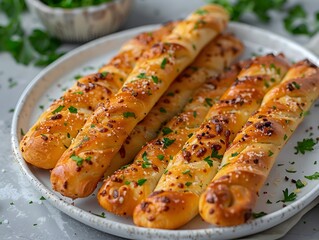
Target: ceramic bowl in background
<point x="81" y="24"/>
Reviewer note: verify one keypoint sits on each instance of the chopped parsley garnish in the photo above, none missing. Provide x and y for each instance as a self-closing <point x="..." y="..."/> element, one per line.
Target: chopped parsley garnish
<point x="58" y="109"/>
<point x="104" y="74"/>
<point x="299" y="184"/>
<point x="142" y="76"/>
<point x="296" y="85"/>
<point x="209" y="161"/>
<point x="201" y="11"/>
<point x="92" y="125"/>
<point x="270" y="153"/>
<point x="234" y="154"/>
<point x="306" y="145"/>
<point x="129" y="114"/>
<point x="290" y="171"/>
<point x="155" y="79"/>
<point x="258" y="215"/>
<point x="188" y="184"/>
<point x="194" y="114"/>
<point x="77" y="77"/>
<point x="42" y="198"/>
<point x="208" y="101"/>
<point x="102" y="215"/>
<point x="80" y="93"/>
<point x="314" y="176"/>
<point x="125" y="166"/>
<point x="73" y="109"/>
<point x="166" y="130"/>
<point x="288" y="197"/>
<point x="188" y="172"/>
<point x="146" y="162"/>
<point x="163" y="110"/>
<point x="163" y="64"/>
<point x="77" y="159"/>
<point x="22" y="132"/>
<point x="190" y="135"/>
<point x="68" y="135"/>
<point x="127" y="182"/>
<point x="160" y="157"/>
<point x="141" y="181"/>
<point x="144" y="156"/>
<point x="215" y="154"/>
<point x="285" y="137"/>
<point x="167" y="142"/>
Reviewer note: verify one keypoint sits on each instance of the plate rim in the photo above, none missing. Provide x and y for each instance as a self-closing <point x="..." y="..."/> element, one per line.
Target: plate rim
<point x="115" y="228"/>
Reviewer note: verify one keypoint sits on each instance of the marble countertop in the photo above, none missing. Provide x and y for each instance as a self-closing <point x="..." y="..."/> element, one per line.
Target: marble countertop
<point x="22" y="214"/>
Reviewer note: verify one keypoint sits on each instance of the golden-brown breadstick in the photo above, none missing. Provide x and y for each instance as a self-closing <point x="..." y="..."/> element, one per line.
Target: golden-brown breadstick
<point x="231" y="195"/>
<point x="139" y="179"/>
<point x="52" y="134"/>
<point x="216" y="56"/>
<point x="81" y="167"/>
<point x="175" y="200"/>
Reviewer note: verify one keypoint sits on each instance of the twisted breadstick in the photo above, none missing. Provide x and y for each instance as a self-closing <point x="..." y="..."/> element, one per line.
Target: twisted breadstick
<point x="121" y="192"/>
<point x="175" y="200"/>
<point x="216" y="56"/>
<point x="83" y="164"/>
<point x="52" y="134"/>
<point x="231" y="195"/>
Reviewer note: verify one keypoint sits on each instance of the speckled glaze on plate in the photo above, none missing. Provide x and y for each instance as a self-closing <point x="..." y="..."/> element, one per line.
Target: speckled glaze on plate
<point x="49" y="83"/>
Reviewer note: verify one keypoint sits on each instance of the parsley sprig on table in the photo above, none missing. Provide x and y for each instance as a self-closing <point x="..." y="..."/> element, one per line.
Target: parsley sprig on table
<point x="295" y="20"/>
<point x="38" y="47"/>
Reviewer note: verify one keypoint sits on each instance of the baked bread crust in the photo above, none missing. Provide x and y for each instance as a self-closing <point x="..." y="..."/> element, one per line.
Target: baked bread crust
<point x="211" y="61"/>
<point x="52" y="134"/>
<point x="231" y="195"/>
<point x="202" y="153"/>
<point x="95" y="147"/>
<point x="121" y="197"/>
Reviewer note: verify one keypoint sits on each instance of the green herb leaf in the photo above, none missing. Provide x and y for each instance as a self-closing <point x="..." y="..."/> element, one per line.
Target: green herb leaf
<point x="288" y="197"/>
<point x="77" y="159"/>
<point x="234" y="154"/>
<point x="58" y="109"/>
<point x="73" y="109"/>
<point x="299" y="184"/>
<point x="259" y="214"/>
<point x="201" y="11"/>
<point x="163" y="64"/>
<point x="209" y="161"/>
<point x="155" y="79"/>
<point x="167" y="142"/>
<point x="129" y="114"/>
<point x="296" y="85"/>
<point x="166" y="130"/>
<point x="188" y="184"/>
<point x="163" y="110"/>
<point x="142" y="76"/>
<point x="306" y="145"/>
<point x="140" y="182"/>
<point x="209" y="101"/>
<point x="215" y="154"/>
<point x="160" y="157"/>
<point x="314" y="176"/>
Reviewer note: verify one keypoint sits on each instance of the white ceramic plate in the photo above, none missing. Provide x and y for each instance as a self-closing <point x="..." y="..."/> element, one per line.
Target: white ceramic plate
<point x="52" y="80"/>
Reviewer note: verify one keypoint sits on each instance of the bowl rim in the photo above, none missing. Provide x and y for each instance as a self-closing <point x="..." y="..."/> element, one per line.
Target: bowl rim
<point x="58" y="10"/>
